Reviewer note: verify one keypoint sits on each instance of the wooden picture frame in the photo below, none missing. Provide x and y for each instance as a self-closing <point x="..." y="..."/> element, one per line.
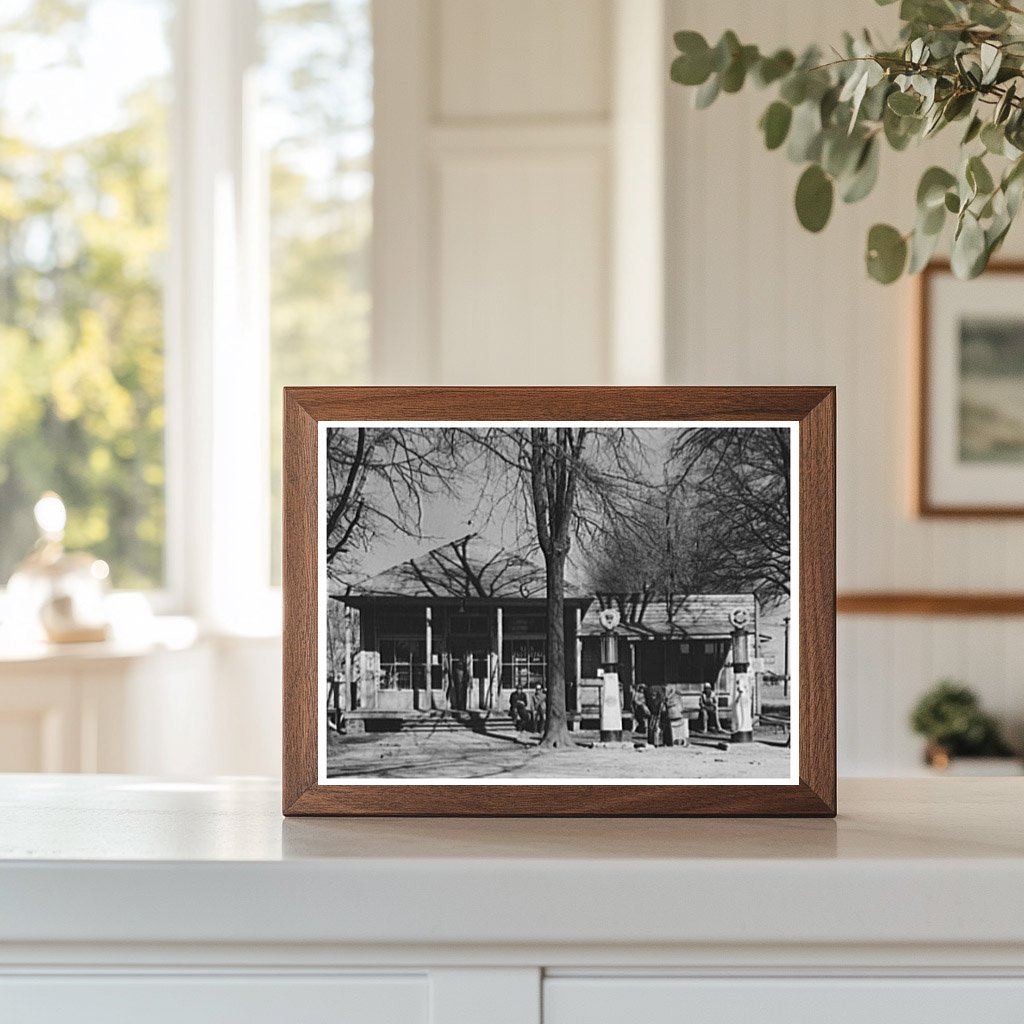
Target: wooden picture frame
<point x="935" y="474"/>
<point x="808" y="412"/>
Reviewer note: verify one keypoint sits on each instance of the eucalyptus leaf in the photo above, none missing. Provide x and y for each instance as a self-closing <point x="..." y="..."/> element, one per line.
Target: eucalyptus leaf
<point x="814" y="195"/>
<point x="900" y="130"/>
<point x="707" y="93"/>
<point x="931" y="190"/>
<point x="991" y="60"/>
<point x="978" y="176"/>
<point x="724" y="51"/>
<point x="775" y="124"/>
<point x="987" y="15"/>
<point x="922" y="248"/>
<point x="993" y="138"/>
<point x="932" y="221"/>
<point x="873" y="106"/>
<point x="840" y="152"/>
<point x="904" y="103"/>
<point x="771" y="69"/>
<point x="886" y="253"/>
<point x="735" y="74"/>
<point x="691" y="70"/>
<point x="1005" y="105"/>
<point x="805" y="133"/>
<point x="957" y="106"/>
<point x="968" y="254"/>
<point x="973" y="130"/>
<point x="794" y="88"/>
<point x="865" y="173"/>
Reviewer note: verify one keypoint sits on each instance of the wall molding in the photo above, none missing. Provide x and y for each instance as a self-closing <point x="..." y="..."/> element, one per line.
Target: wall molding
<point x="928" y="603"/>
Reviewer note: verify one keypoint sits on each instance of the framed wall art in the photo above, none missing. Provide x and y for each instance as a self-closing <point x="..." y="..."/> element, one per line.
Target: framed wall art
<point x="559" y="601"/>
<point x="970" y="444"/>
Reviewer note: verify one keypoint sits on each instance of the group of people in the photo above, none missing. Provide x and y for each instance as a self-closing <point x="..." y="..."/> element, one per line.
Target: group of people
<point x="655" y="709"/>
<point x="528" y="714"/>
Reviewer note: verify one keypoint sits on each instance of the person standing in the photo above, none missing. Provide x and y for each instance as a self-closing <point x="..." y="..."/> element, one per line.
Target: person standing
<point x="517" y="704"/>
<point x="539" y="709"/>
<point x="641" y="713"/>
<point x="654" y="696"/>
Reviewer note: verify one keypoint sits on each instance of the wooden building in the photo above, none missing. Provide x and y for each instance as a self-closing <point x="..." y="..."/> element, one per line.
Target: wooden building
<point x="460" y="626"/>
<point x="457" y="627"/>
<point x="683" y="642"/>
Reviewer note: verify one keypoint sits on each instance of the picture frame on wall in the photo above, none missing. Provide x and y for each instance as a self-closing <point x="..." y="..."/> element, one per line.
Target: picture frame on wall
<point x="559" y="601"/>
<point x="970" y="419"/>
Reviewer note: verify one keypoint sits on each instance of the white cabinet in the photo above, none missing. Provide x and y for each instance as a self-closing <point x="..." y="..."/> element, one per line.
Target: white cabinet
<point x="174" y="704"/>
<point x="828" y="1000"/>
<point x="132" y="898"/>
<point x="202" y="999"/>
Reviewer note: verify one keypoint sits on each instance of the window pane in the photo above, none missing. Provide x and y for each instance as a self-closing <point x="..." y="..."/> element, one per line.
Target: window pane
<point x="83" y="219"/>
<point x="318" y="130"/>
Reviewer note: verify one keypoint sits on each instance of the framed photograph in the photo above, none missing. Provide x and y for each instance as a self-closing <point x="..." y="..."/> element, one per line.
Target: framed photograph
<point x="559" y="601"/>
<point x="970" y="450"/>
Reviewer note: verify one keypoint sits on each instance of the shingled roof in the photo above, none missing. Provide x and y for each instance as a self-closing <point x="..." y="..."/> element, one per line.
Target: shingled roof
<point x="697" y="616"/>
<point x="465" y="568"/>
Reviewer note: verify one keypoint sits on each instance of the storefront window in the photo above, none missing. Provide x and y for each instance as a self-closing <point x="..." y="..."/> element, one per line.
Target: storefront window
<point x="524" y="662"/>
<point x="402" y="663"/>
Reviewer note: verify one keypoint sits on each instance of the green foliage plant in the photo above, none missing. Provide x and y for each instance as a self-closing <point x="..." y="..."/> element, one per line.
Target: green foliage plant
<point x="950" y="716"/>
<point x="957" y="62"/>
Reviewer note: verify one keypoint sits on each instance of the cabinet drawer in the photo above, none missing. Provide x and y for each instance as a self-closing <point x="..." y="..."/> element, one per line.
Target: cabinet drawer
<point x="575" y="1000"/>
<point x="202" y="999"/>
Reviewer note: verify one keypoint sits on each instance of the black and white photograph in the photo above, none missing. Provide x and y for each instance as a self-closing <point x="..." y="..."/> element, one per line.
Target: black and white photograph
<point x="546" y="602"/>
<point x="971" y="393"/>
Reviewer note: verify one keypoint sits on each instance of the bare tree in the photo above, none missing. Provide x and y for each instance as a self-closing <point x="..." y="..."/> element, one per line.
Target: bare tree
<point x="377" y="479"/>
<point x="737" y="485"/>
<point x="565" y="484"/>
<point x="659" y="554"/>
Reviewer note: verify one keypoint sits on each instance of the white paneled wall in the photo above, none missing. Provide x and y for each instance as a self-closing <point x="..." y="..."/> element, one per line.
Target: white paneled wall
<point x="503" y="130"/>
<point x="502" y="315"/>
<point x="754" y="299"/>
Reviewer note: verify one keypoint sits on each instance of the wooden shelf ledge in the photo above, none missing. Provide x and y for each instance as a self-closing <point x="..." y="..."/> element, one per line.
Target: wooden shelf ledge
<point x="928" y="603"/>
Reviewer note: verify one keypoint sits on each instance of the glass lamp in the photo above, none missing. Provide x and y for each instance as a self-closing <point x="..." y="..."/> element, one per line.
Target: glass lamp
<point x="55" y="595"/>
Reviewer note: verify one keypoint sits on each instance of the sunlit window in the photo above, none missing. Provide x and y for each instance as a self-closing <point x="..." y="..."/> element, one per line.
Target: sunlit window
<point x="83" y="236"/>
<point x="318" y="130"/>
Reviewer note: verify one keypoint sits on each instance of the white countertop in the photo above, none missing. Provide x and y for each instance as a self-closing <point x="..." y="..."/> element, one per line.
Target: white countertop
<point x="120" y="859"/>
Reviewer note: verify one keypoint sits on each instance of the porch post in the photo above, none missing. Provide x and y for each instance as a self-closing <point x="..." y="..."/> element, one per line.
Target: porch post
<point x="501" y="646"/>
<point x="350" y="689"/>
<point x="579" y="661"/>
<point x="429" y="624"/>
<point x="756" y="676"/>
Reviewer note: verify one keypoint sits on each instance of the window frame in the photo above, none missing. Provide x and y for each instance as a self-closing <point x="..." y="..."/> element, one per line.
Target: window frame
<point x="216" y="347"/>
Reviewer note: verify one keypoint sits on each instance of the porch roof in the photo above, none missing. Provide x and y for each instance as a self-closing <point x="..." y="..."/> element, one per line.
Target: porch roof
<point x="697" y="616"/>
<point x="467" y="568"/>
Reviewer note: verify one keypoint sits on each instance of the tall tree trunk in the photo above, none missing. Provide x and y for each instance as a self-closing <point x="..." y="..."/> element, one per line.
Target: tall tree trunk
<point x="556" y="731"/>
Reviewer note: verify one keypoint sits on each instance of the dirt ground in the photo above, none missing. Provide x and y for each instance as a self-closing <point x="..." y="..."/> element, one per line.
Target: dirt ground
<point x="472" y="756"/>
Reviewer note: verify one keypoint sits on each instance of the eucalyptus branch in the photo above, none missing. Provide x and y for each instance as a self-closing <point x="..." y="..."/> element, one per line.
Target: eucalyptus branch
<point x="956" y="61"/>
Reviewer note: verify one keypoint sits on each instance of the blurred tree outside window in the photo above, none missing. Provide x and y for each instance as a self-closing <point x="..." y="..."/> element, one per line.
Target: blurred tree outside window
<point x="85" y="165"/>
<point x="317" y="122"/>
<point x="83" y="237"/>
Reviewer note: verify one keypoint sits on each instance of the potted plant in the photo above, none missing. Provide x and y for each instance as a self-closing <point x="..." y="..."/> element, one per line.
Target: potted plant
<point x="950" y="717"/>
<point x="956" y="62"/>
